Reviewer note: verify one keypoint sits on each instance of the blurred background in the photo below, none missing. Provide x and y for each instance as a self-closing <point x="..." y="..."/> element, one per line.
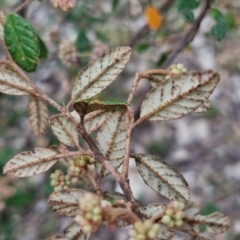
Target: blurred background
<point x="204" y="147"/>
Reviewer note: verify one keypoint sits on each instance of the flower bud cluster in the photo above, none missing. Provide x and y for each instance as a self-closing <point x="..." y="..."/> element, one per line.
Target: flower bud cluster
<point x="91" y="215"/>
<point x="146" y="230"/>
<point x="177" y="69"/>
<point x="64" y="5"/>
<point x="78" y="164"/>
<point x="59" y="180"/>
<point x="67" y="53"/>
<point x="174" y="214"/>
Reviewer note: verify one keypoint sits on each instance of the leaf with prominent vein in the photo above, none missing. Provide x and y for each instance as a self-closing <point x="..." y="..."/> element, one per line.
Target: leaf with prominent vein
<point x="22" y="42"/>
<point x="74" y="232"/>
<point x="28" y="164"/>
<point x="153" y="209"/>
<point x="179" y="95"/>
<point x="100" y="72"/>
<point x="65" y="130"/>
<point x="2" y="20"/>
<point x="14" y="84"/>
<point x="155" y="79"/>
<point x="66" y="202"/>
<point x="37" y="115"/>
<point x="111" y="140"/>
<point x="94" y="120"/>
<point x="162" y="178"/>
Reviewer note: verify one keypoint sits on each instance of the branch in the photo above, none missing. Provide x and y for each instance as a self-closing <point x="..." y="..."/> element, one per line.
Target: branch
<point x="123" y="182"/>
<point x="189" y="36"/>
<point x="145" y="29"/>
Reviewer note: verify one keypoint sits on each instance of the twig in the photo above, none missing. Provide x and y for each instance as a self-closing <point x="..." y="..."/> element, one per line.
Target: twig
<point x="145" y="29"/>
<point x="23" y="5"/>
<point x="189" y="36"/>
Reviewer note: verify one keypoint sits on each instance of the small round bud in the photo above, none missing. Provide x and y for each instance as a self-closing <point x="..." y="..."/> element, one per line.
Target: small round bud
<point x="179" y="222"/>
<point x="166" y="219"/>
<point x="169" y="212"/>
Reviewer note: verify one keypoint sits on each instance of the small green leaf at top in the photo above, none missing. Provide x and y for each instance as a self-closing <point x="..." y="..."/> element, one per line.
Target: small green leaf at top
<point x="186" y="5"/>
<point x="188" y="16"/>
<point x="22" y="42"/>
<point x="219" y="31"/>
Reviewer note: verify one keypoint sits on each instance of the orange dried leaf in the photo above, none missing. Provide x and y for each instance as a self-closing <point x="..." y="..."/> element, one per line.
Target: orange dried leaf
<point x="153" y="17"/>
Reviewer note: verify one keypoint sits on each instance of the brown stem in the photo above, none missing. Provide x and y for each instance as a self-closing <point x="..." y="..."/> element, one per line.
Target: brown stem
<point x="23" y="5"/>
<point x="124" y="183"/>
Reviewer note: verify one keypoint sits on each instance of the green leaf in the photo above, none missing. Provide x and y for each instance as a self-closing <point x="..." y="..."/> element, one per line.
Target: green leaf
<point x="219" y="31"/>
<point x="82" y="42"/>
<point x="188" y="16"/>
<point x="216" y="15"/>
<point x="43" y="49"/>
<point x="114" y="5"/>
<point x="22" y="42"/>
<point x="142" y="47"/>
<point x="187" y="5"/>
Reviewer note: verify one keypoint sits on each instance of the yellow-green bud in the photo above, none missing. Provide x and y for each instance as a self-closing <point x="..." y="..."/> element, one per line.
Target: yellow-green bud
<point x="179" y="223"/>
<point x="169" y="212"/>
<point x="166" y="219"/>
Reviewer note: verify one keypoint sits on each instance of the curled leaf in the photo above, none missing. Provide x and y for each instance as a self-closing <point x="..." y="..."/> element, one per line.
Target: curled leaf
<point x="28" y="164"/>
<point x="14" y="84"/>
<point x="84" y="107"/>
<point x="37" y="115"/>
<point x="162" y="178"/>
<point x="65" y="130"/>
<point x="100" y="72"/>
